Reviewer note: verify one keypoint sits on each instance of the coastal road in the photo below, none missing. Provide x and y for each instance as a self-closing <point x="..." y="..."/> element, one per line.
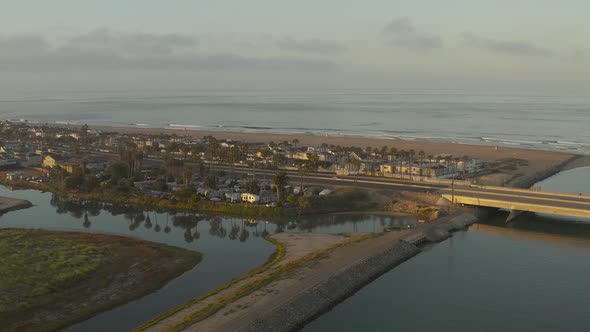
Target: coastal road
<point x="331" y="180"/>
<point x="521" y="200"/>
<point x="522" y="196"/>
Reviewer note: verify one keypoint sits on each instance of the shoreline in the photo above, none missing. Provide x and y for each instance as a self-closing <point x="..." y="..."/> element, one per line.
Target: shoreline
<point x="429" y="147"/>
<point x="278" y="133"/>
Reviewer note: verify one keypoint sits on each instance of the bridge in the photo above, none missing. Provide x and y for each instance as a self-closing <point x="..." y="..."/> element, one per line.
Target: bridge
<point x="520" y="200"/>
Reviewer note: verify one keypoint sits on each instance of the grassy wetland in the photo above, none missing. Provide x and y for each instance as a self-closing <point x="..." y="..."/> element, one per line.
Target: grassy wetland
<point x="49" y="280"/>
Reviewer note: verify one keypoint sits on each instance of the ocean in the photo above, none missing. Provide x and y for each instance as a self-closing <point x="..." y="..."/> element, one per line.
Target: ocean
<point x="526" y="121"/>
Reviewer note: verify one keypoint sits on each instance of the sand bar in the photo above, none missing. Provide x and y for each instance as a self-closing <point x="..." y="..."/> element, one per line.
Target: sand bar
<point x="10" y="204"/>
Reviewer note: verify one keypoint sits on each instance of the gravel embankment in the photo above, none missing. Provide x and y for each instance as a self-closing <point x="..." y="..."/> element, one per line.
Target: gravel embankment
<point x="320" y="298"/>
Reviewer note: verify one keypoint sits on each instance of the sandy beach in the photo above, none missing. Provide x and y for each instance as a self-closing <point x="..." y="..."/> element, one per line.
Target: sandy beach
<point x="486" y="153"/>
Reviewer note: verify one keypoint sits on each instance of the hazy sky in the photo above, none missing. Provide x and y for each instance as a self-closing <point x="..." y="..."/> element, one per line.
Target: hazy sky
<point x="379" y="45"/>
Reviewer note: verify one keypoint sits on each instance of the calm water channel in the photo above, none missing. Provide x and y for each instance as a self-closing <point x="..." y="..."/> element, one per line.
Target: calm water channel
<point x="231" y="247"/>
<point x="531" y="275"/>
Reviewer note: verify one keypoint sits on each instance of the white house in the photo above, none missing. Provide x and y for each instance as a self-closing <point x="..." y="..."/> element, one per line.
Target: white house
<point x="250" y="198"/>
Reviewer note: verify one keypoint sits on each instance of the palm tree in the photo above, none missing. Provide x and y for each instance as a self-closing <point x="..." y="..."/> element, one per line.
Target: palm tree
<point x="383" y="151"/>
<point x="430" y="157"/>
<point x="295" y="141"/>
<point x="465" y="160"/>
<point x="279" y="182"/>
<point x="402" y="156"/>
<point x="368" y="151"/>
<point x="411" y="155"/>
<point x="421" y="155"/>
<point x="392" y="153"/>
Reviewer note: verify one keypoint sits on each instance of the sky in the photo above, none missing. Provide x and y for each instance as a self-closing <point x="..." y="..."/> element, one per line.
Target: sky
<point x="323" y="45"/>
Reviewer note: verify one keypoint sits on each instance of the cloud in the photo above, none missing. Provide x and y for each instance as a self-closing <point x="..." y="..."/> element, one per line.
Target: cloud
<point x="104" y="50"/>
<point x="137" y="44"/>
<point x="402" y="32"/>
<point x="18" y="46"/>
<point x="312" y="46"/>
<point x="515" y="48"/>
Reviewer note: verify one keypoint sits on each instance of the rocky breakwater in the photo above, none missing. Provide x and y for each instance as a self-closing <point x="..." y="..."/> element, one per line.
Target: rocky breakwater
<point x="10" y="204"/>
<point x="321" y="297"/>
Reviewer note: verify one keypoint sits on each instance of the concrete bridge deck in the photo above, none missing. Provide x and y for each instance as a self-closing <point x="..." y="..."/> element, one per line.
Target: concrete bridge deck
<point x="521" y="200"/>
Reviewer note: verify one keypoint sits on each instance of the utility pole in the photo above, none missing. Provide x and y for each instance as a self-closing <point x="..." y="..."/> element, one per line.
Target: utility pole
<point x="453" y="191"/>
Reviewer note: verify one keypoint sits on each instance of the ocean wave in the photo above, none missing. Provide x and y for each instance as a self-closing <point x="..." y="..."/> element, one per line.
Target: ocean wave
<point x="184" y="125"/>
<point x="257" y="128"/>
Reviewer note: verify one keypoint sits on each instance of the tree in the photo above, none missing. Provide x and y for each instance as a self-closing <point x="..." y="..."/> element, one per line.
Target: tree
<point x="160" y="185"/>
<point x="465" y="160"/>
<point x="210" y="181"/>
<point x="313" y="160"/>
<point x="84" y="134"/>
<point x="252" y="187"/>
<point x="118" y="171"/>
<point x="392" y="152"/>
<point x="90" y="183"/>
<point x="187" y="175"/>
<point x="57" y="174"/>
<point x="368" y="151"/>
<point x="383" y="151"/>
<point x="186" y="192"/>
<point x="131" y="156"/>
<point x="280" y="180"/>
<point x="185" y="149"/>
<point x="75" y="180"/>
<point x="279" y="159"/>
<point x="421" y="154"/>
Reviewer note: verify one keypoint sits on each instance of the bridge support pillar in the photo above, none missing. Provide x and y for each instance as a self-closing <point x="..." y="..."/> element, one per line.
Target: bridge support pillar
<point x="515" y="214"/>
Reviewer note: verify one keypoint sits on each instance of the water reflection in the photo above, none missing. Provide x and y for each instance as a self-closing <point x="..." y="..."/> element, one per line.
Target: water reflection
<point x="154" y="219"/>
<point x="230" y="246"/>
<point x="234" y="229"/>
<point x="359" y="222"/>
